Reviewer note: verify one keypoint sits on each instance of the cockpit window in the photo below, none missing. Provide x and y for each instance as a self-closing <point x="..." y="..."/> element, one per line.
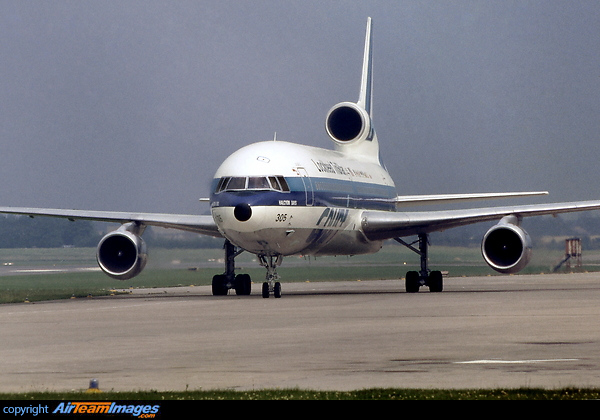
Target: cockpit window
<point x="258" y="183"/>
<point x="236" y="184"/>
<point x="222" y="184"/>
<point x="279" y="183"/>
<point x="254" y="183"/>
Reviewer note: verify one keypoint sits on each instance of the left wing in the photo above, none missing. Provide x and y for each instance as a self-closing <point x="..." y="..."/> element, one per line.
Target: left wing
<point x="379" y="225"/>
<point x="203" y="224"/>
<point x="421" y="200"/>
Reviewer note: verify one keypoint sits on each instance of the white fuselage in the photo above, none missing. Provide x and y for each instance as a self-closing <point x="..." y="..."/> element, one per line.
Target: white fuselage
<point x="280" y="198"/>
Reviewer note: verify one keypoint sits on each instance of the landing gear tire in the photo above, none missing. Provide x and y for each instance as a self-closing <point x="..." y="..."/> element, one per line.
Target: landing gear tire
<point x="243" y="285"/>
<point x="219" y="285"/>
<point x="415" y="279"/>
<point x="277" y="290"/>
<point x="413" y="283"/>
<point x="435" y="282"/>
<point x="266" y="290"/>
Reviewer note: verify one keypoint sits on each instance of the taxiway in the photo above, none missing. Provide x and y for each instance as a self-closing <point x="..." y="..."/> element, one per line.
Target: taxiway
<point x="481" y="332"/>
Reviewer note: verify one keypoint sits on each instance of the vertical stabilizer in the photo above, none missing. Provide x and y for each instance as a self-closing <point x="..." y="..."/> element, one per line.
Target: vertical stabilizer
<point x="349" y="123"/>
<point x="366" y="96"/>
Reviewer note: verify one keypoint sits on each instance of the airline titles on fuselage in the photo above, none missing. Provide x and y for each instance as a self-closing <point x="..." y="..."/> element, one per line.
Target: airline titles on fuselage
<point x="337" y="169"/>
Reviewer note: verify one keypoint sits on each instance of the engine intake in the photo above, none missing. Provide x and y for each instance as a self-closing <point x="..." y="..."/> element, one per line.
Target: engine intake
<point x="506" y="247"/>
<point x="122" y="254"/>
<point x="347" y="122"/>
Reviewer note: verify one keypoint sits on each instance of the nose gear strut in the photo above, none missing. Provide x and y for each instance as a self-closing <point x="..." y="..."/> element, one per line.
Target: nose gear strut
<point x="271" y="285"/>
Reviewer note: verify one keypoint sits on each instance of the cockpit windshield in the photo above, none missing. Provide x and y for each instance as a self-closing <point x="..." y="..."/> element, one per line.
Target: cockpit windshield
<point x="252" y="183"/>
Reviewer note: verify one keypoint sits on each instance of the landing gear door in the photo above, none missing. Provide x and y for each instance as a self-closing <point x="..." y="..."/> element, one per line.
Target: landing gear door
<point x="308" y="187"/>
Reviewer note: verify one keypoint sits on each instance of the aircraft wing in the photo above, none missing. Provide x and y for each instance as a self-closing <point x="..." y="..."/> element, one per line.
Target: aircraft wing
<point x="378" y="225"/>
<point x="421" y="200"/>
<point x="203" y="224"/>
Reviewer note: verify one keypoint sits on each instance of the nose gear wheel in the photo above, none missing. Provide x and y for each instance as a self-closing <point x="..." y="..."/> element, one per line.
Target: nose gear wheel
<point x="271" y="285"/>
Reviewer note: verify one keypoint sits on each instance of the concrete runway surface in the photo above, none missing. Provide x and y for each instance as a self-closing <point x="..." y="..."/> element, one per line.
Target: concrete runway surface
<point x="481" y="332"/>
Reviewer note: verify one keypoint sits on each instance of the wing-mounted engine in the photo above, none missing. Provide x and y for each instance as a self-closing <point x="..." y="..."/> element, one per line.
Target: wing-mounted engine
<point x="122" y="254"/>
<point x="506" y="247"/>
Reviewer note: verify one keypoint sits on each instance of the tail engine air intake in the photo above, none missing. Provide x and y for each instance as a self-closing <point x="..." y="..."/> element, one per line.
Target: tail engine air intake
<point x="506" y="247"/>
<point x="122" y="254"/>
<point x="348" y="123"/>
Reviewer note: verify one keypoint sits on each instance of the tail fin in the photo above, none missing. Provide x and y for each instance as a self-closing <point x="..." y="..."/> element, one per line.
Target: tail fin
<point x="348" y="123"/>
<point x="366" y="95"/>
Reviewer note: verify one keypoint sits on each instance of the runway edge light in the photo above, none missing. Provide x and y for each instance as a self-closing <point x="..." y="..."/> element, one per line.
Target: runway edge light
<point x="94" y="386"/>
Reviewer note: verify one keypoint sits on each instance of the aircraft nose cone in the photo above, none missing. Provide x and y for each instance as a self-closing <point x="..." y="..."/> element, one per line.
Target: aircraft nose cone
<point x="242" y="212"/>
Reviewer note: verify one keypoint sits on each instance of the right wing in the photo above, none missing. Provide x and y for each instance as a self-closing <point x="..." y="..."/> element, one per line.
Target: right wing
<point x="203" y="224"/>
<point x="379" y="225"/>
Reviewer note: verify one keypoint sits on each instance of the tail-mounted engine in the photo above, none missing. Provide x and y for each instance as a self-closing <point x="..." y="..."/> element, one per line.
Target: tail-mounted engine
<point x="122" y="254"/>
<point x="506" y="247"/>
<point x="348" y="123"/>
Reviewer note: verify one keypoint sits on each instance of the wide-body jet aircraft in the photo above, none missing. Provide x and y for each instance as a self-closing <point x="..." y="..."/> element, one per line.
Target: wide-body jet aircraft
<point x="276" y="199"/>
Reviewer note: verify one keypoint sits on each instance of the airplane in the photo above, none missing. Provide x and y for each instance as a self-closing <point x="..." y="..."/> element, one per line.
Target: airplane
<point x="276" y="199"/>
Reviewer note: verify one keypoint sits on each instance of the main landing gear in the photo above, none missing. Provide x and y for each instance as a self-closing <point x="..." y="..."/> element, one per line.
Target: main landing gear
<point x="242" y="283"/>
<point x="416" y="279"/>
<point x="221" y="283"/>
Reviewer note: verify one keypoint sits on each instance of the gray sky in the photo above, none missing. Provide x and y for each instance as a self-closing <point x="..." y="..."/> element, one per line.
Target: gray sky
<point x="132" y="105"/>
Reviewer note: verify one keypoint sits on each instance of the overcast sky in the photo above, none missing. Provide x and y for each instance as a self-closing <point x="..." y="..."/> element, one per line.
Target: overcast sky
<point x="132" y="105"/>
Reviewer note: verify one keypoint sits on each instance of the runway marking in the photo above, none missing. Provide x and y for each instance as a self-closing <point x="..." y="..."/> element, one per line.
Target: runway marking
<point x="506" y="362"/>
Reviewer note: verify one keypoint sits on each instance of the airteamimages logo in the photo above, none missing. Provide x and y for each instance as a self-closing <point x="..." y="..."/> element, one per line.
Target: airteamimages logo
<point x="142" y="411"/>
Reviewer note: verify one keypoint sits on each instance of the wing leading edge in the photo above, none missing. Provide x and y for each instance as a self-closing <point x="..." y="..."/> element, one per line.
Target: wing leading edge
<point x="202" y="224"/>
<point x="382" y="225"/>
<point x="421" y="200"/>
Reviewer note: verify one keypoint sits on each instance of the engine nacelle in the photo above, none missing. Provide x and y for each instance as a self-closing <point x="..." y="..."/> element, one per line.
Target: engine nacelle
<point x="122" y="254"/>
<point x="506" y="247"/>
<point x="348" y="123"/>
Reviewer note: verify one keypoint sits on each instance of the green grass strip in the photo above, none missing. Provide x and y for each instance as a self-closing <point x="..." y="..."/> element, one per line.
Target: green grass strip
<point x="299" y="394"/>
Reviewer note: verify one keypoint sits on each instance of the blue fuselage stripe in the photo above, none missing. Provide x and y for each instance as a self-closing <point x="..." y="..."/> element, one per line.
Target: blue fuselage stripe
<point x="323" y="192"/>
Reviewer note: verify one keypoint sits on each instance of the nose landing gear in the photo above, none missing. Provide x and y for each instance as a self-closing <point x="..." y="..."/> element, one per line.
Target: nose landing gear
<point x="271" y="285"/>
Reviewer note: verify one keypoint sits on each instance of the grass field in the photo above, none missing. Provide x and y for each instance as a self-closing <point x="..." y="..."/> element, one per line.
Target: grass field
<point x="185" y="267"/>
<point x="379" y="394"/>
